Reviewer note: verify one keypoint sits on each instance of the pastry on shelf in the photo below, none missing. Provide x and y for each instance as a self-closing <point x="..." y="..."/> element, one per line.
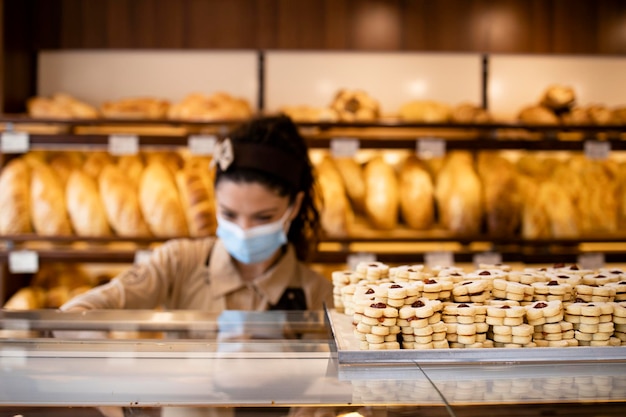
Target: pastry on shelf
<point x="417" y="204"/>
<point x="469" y="113"/>
<point x="310" y="114"/>
<point x="355" y="105"/>
<point x="60" y="106"/>
<point x="558" y="97"/>
<point x="352" y="175"/>
<point x="121" y="203"/>
<point x="458" y="193"/>
<point x="538" y="115"/>
<point x="600" y="114"/>
<point x="196" y="195"/>
<point x="48" y="207"/>
<point x="160" y="202"/>
<point x="85" y="207"/>
<point x="217" y="106"/>
<point x="15" y="198"/>
<point x="138" y="108"/>
<point x="501" y="194"/>
<point x="381" y="195"/>
<point x="425" y="111"/>
<point x="336" y="214"/>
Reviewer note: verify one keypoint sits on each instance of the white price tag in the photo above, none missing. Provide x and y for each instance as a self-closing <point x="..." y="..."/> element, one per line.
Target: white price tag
<point x="595" y="149"/>
<point x="123" y="144"/>
<point x="591" y="260"/>
<point x="428" y="148"/>
<point x="202" y="144"/>
<point x="14" y="142"/>
<point x="356" y="258"/>
<point x="435" y="259"/>
<point x="487" y="258"/>
<point x="142" y="256"/>
<point x="23" y="262"/>
<point x="344" y="147"/>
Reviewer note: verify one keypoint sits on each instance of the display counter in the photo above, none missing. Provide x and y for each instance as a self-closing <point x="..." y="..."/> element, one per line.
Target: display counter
<point x="50" y="359"/>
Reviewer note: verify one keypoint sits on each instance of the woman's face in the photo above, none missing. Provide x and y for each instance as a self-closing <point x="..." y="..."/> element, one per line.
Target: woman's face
<point x="250" y="204"/>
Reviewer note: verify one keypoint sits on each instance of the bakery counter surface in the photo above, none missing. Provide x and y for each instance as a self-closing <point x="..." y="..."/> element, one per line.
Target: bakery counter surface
<point x="274" y="359"/>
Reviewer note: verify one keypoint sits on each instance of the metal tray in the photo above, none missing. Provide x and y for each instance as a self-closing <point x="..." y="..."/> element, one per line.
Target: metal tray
<point x="348" y="351"/>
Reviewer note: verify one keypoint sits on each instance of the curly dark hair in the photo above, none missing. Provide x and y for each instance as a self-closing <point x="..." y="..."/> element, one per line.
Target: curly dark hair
<point x="281" y="133"/>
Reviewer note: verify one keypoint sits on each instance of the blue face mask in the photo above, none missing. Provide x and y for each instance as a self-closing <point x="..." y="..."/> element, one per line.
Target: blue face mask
<point x="252" y="245"/>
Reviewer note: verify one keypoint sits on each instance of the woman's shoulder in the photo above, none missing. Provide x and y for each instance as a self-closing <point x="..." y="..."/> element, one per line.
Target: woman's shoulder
<point x="188" y="247"/>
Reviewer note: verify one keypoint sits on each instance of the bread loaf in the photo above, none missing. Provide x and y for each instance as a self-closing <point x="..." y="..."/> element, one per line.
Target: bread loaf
<point x="469" y="113"/>
<point x="354" y="183"/>
<point x="63" y="163"/>
<point x="355" y="105"/>
<point x="218" y="106"/>
<point x="560" y="209"/>
<point x="416" y="195"/>
<point x="535" y="221"/>
<point x="60" y="106"/>
<point x="48" y="208"/>
<point x="85" y="207"/>
<point x="458" y="194"/>
<point x="15" y="198"/>
<point x="121" y="203"/>
<point x="197" y="201"/>
<point x="381" y="199"/>
<point x="558" y="97"/>
<point x="336" y="215"/>
<point x="425" y="111"/>
<point x="502" y="200"/>
<point x="95" y="162"/>
<point x="538" y="115"/>
<point x="27" y="298"/>
<point x="160" y="203"/>
<point x="132" y="166"/>
<point x="173" y="161"/>
<point x="135" y="108"/>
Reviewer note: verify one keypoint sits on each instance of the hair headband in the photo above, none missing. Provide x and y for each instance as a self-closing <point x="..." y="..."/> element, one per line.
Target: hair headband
<point x="228" y="156"/>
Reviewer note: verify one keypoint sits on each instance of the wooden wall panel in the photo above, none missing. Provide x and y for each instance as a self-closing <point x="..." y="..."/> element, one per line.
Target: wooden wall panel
<point x="508" y="26"/>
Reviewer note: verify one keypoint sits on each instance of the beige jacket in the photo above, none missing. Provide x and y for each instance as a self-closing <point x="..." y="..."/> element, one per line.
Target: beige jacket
<point x="177" y="277"/>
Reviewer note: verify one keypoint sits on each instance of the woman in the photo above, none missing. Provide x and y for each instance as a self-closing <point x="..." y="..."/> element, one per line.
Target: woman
<point x="267" y="227"/>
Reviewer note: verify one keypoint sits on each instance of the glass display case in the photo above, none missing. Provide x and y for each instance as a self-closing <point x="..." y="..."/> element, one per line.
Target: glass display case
<point x="270" y="363"/>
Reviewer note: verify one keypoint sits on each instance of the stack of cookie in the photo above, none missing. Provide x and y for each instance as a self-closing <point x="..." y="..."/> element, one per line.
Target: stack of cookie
<point x="597" y="294"/>
<point x="507" y="327"/>
<point x="552" y="290"/>
<point x="373" y="272"/>
<point x="377" y="329"/>
<point x="592" y="322"/>
<point x="515" y="291"/>
<point x="620" y="290"/>
<point x="421" y="326"/>
<point x="465" y="325"/>
<point x="619" y="321"/>
<point x="471" y="291"/>
<point x="404" y="274"/>
<point x="342" y="279"/>
<point x="437" y="289"/>
<point x="549" y="329"/>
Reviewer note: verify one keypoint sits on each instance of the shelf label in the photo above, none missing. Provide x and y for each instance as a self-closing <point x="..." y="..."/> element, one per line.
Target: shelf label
<point x="487" y="258"/>
<point x="14" y="142"/>
<point x="202" y="145"/>
<point x="428" y="148"/>
<point x="344" y="147"/>
<point x="123" y="144"/>
<point x="441" y="258"/>
<point x="23" y="262"/>
<point x="591" y="260"/>
<point x="142" y="256"/>
<point x="356" y="258"/>
<point x="595" y="149"/>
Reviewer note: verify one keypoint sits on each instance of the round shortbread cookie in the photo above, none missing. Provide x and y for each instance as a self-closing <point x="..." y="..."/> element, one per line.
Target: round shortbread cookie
<point x="553" y="336"/>
<point x="466" y="339"/>
<point x="374" y="338"/>
<point x="408" y="345"/>
<point x="408" y="337"/>
<point x="552" y="328"/>
<point x="423" y="339"/>
<point x="482" y="327"/>
<point x="588" y="328"/>
<point x="599" y="343"/>
<point x="371" y="321"/>
<point x="423" y="345"/>
<point x="582" y="336"/>
<point x="440" y="344"/>
<point x="521" y="340"/>
<point x="392" y="345"/>
<point x="358" y="335"/>
<point x="502" y="338"/>
<point x="423" y="331"/>
<point x="601" y="336"/>
<point x="466" y="329"/>
<point x="522" y="330"/>
<point x="391" y="338"/>
<point x="495" y="321"/>
<point x="363" y="328"/>
<point x="558" y="343"/>
<point x="380" y="330"/>
<point x="502" y="330"/>
<point x="513" y="321"/>
<point x="589" y="320"/>
<point x="418" y="323"/>
<point x="375" y="310"/>
<point x="396" y="292"/>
